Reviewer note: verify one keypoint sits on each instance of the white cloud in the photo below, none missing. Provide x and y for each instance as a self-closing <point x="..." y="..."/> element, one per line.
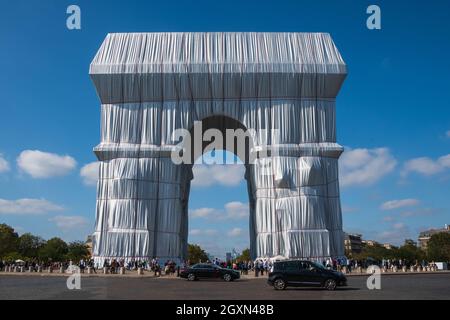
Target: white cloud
<point x="365" y="166"/>
<point x="28" y="206"/>
<point x="399" y="225"/>
<point x="203" y="212"/>
<point x="396" y="234"/>
<point x="444" y="161"/>
<point x="4" y="165"/>
<point x="227" y="175"/>
<point x="203" y="232"/>
<point x="40" y="164"/>
<point x="234" y="210"/>
<point x="425" y="166"/>
<point x="447" y="134"/>
<point x="89" y="173"/>
<point x="66" y="223"/>
<point x="195" y="232"/>
<point x="211" y="232"/>
<point x="420" y="212"/>
<point x="395" y="204"/>
<point x="235" y="232"/>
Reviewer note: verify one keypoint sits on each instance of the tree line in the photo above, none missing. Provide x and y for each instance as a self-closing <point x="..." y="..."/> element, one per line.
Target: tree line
<point x="29" y="247"/>
<point x="438" y="250"/>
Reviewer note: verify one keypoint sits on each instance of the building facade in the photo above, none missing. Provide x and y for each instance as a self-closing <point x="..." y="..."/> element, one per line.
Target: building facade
<point x="425" y="236"/>
<point x="370" y="243"/>
<point x="352" y="243"/>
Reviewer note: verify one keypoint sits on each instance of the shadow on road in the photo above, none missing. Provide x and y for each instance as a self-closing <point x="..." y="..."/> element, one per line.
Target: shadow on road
<point x="217" y="280"/>
<point x="320" y="289"/>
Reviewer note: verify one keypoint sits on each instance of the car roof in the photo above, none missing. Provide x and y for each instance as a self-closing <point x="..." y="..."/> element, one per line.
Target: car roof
<point x="291" y="260"/>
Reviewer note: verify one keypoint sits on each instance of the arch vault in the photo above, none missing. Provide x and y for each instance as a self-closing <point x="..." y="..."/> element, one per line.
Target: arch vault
<point x="281" y="85"/>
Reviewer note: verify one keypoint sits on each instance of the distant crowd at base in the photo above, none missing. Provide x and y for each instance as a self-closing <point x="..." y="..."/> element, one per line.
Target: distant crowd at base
<point x="34" y="265"/>
<point x="386" y="264"/>
<point x="170" y="267"/>
<point x="154" y="265"/>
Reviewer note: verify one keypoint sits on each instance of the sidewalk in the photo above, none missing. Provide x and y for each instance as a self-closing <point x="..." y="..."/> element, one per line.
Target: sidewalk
<point x="356" y="274"/>
<point x="99" y="273"/>
<point x="148" y="274"/>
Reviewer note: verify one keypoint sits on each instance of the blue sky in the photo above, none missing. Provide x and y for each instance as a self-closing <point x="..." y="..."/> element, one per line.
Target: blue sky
<point x="393" y="112"/>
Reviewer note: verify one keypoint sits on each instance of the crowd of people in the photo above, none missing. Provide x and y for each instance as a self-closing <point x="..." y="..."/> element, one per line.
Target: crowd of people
<point x="34" y="265"/>
<point x="353" y="264"/>
<point x="153" y="265"/>
<point x="170" y="267"/>
<point x="260" y="265"/>
<point x="264" y="265"/>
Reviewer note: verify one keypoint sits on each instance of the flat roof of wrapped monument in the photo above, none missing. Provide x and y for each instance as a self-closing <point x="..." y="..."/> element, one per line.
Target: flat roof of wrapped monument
<point x="218" y="52"/>
<point x="151" y="67"/>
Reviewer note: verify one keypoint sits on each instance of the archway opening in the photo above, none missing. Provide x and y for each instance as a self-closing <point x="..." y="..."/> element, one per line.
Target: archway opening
<point x="220" y="198"/>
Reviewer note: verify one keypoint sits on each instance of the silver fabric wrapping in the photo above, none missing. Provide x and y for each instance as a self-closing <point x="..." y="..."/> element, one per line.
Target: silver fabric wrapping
<point x="281" y="85"/>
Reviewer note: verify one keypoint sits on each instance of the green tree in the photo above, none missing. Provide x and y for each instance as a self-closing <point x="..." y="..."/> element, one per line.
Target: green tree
<point x="55" y="249"/>
<point x="8" y="240"/>
<point x="244" y="256"/>
<point x="376" y="251"/>
<point x="439" y="247"/>
<point x="349" y="253"/>
<point x="77" y="251"/>
<point x="410" y="241"/>
<point x="12" y="256"/>
<point x="29" y="245"/>
<point x="196" y="254"/>
<point x="410" y="251"/>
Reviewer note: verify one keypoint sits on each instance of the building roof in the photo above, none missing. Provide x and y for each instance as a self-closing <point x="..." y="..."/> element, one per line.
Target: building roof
<point x="218" y="52"/>
<point x="352" y="235"/>
<point x="206" y="65"/>
<point x="429" y="233"/>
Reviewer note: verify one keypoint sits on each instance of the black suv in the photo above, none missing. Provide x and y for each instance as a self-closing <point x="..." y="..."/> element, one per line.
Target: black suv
<point x="298" y="273"/>
<point x="207" y="270"/>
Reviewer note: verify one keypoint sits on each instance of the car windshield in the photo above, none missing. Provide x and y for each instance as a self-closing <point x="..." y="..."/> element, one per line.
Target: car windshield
<point x="317" y="265"/>
<point x="204" y="266"/>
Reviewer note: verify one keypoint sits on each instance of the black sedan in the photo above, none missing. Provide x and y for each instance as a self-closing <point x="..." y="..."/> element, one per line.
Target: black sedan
<point x="207" y="270"/>
<point x="298" y="273"/>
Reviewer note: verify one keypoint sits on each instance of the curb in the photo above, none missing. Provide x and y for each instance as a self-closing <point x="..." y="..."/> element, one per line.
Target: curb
<point x="151" y="276"/>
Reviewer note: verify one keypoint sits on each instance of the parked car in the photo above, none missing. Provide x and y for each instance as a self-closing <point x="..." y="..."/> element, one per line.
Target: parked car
<point x="300" y="273"/>
<point x="207" y="270"/>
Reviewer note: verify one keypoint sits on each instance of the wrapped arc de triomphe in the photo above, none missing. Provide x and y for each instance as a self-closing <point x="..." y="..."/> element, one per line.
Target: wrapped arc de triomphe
<point x="282" y="86"/>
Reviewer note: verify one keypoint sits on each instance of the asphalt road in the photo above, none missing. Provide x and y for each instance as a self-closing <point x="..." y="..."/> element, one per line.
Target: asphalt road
<point x="418" y="286"/>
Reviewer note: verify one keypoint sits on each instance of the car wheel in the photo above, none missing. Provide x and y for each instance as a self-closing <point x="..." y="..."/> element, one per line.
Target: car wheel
<point x="191" y="277"/>
<point x="227" y="277"/>
<point x="330" y="284"/>
<point x="279" y="284"/>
